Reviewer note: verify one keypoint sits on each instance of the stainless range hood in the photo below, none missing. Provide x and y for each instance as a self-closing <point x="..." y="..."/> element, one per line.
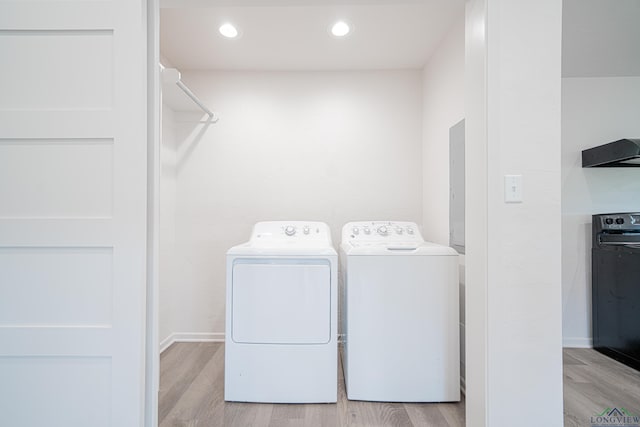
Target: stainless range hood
<point x="621" y="153"/>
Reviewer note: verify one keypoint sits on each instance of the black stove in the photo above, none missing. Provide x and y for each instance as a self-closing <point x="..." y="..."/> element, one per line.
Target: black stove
<point x="616" y="286"/>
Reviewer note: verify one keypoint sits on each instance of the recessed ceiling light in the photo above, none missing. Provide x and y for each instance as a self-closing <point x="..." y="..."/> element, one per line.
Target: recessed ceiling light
<point x="228" y="30"/>
<point x="340" y="29"/>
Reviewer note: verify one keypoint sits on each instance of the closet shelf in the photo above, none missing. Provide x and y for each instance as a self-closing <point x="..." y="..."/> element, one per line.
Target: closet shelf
<point x="179" y="97"/>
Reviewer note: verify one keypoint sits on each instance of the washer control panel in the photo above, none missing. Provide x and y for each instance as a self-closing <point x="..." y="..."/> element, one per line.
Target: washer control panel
<point x="290" y="232"/>
<point x="381" y="231"/>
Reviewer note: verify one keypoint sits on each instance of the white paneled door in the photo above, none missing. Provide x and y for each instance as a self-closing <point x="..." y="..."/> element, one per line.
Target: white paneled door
<point x="72" y="212"/>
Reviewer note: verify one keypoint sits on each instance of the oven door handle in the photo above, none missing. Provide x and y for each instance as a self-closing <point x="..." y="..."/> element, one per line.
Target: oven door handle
<point x="634" y="245"/>
<point x="625" y="239"/>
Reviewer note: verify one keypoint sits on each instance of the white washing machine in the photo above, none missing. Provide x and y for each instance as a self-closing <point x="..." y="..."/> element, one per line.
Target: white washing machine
<point x="401" y="320"/>
<point x="281" y="315"/>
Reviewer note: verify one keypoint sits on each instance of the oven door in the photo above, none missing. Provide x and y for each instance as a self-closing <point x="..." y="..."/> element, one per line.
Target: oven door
<point x="616" y="298"/>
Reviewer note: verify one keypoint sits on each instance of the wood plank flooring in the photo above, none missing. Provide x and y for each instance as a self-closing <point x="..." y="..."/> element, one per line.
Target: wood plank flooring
<point x="191" y="395"/>
<point x="594" y="382"/>
<point x="192" y="385"/>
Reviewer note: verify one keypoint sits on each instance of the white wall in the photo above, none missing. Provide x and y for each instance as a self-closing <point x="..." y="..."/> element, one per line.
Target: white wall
<point x="476" y="375"/>
<point x="513" y="271"/>
<point x="594" y="111"/>
<point x="169" y="288"/>
<point x="442" y="107"/>
<point x="327" y="146"/>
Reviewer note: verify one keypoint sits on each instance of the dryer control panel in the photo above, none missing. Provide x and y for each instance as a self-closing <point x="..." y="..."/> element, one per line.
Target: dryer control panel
<point x="288" y="233"/>
<point x="381" y="232"/>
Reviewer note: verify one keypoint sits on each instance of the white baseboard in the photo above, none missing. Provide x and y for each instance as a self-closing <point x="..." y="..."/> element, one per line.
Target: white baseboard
<point x="577" y="342"/>
<point x="191" y="337"/>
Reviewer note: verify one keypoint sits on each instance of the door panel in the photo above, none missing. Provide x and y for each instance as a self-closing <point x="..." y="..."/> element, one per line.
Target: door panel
<point x="49" y="57"/>
<point x="82" y="188"/>
<point x="38" y="379"/>
<point x="41" y="284"/>
<point x="281" y="302"/>
<point x="73" y="213"/>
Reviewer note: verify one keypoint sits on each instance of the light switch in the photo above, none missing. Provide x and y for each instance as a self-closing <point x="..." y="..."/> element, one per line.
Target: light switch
<point x="513" y="188"/>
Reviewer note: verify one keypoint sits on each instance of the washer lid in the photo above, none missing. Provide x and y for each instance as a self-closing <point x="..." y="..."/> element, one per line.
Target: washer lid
<point x="397" y="249"/>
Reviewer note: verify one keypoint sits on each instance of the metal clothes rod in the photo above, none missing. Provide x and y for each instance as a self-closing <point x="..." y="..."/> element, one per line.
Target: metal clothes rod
<point x="172" y="76"/>
<point x="195" y="99"/>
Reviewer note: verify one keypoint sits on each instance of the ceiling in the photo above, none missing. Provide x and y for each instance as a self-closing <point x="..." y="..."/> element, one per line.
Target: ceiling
<point x="600" y="38"/>
<point x="294" y="34"/>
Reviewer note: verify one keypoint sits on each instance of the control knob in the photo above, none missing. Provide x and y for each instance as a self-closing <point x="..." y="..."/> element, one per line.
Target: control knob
<point x="409" y="230"/>
<point x="355" y="230"/>
<point x="367" y="230"/>
<point x="382" y="230"/>
<point x="305" y="229"/>
<point x="619" y="220"/>
<point x="289" y="230"/>
<point x="608" y="221"/>
<point x="399" y="230"/>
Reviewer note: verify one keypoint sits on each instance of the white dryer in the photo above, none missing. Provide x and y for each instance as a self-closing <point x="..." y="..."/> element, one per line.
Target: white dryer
<point x="281" y="315"/>
<point x="401" y="314"/>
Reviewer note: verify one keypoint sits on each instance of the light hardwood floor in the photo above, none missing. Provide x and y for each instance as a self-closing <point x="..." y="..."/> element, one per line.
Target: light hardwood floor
<point x="191" y="394"/>
<point x="192" y="381"/>
<point x="593" y="382"/>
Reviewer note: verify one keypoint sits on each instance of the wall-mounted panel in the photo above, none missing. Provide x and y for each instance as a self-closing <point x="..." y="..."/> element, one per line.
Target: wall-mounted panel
<point x="30" y="393"/>
<point x="456" y="187"/>
<point x="40" y="70"/>
<point x="74" y="178"/>
<point x="56" y="286"/>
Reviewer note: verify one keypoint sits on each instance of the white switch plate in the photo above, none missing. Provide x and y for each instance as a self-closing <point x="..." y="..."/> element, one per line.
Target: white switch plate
<point x="513" y="188"/>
